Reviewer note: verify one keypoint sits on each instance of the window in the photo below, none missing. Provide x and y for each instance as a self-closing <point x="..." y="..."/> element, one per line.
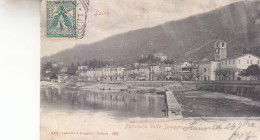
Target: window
<point x="258" y="62"/>
<point x="226" y="62"/>
<point x="249" y="56"/>
<point x="238" y="61"/>
<point x="229" y="62"/>
<point x="223" y="44"/>
<point x="247" y="61"/>
<point x="251" y="62"/>
<point x="205" y="70"/>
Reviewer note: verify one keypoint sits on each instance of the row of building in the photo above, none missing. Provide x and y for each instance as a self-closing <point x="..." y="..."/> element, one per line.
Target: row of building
<point x="137" y="71"/>
<point x="144" y="72"/>
<point x="204" y="70"/>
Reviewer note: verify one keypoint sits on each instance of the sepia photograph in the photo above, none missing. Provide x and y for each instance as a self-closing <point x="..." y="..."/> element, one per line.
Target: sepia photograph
<point x="110" y="66"/>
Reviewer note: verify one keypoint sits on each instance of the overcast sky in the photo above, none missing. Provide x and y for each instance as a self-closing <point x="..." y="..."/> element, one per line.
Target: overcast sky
<point x="126" y="15"/>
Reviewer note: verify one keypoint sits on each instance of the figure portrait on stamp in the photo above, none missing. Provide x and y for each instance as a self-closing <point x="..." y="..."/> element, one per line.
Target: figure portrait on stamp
<point x="61" y="19"/>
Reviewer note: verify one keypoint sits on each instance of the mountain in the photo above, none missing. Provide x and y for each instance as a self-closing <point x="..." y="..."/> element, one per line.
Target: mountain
<point x="190" y="38"/>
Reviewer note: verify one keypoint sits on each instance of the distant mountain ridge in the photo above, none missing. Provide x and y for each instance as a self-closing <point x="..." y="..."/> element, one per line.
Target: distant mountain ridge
<point x="191" y="38"/>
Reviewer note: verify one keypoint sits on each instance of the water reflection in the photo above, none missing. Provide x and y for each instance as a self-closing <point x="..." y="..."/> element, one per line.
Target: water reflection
<point x="118" y="104"/>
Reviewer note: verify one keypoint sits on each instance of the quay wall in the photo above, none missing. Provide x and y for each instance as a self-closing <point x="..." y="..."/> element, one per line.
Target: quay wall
<point x="249" y="89"/>
<point x="151" y="83"/>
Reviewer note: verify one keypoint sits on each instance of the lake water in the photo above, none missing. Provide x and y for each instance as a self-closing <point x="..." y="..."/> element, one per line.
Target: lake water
<point x="115" y="104"/>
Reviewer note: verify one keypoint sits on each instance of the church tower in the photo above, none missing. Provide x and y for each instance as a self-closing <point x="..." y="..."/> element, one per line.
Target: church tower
<point x="220" y="47"/>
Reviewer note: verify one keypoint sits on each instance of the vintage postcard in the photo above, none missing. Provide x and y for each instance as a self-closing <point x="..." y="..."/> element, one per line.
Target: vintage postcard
<point x="157" y="69"/>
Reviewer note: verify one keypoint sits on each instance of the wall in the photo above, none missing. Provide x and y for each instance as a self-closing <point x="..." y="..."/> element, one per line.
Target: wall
<point x="249" y="89"/>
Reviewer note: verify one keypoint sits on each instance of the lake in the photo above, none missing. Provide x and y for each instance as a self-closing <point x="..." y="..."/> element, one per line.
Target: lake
<point x="114" y="104"/>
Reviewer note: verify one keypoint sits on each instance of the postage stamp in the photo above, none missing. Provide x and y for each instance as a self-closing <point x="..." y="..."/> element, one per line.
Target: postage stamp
<point x="61" y="18"/>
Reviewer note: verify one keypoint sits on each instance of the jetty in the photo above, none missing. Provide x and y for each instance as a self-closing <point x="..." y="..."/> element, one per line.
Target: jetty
<point x="173" y="108"/>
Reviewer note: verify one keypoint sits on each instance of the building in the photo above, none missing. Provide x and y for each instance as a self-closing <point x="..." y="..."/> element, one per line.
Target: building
<point x="161" y="56"/>
<point x="220" y="53"/>
<point x="177" y="67"/>
<point x="190" y="72"/>
<point x="144" y="73"/>
<point x="211" y="69"/>
<point x="240" y="62"/>
<point x="154" y="71"/>
<point x="82" y="68"/>
<point x="207" y="69"/>
<point x="62" y="78"/>
<point x="63" y="69"/>
<point x="237" y="64"/>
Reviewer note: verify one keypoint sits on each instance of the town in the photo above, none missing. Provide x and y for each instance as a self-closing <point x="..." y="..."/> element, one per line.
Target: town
<point x="157" y="67"/>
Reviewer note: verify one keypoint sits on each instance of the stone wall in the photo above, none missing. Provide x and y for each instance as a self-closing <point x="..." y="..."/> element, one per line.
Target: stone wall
<point x="249" y="89"/>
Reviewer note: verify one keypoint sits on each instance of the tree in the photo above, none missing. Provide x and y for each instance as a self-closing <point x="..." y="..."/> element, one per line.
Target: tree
<point x="48" y="70"/>
<point x="47" y="66"/>
<point x="149" y="59"/>
<point x="225" y="74"/>
<point x="53" y="76"/>
<point x="73" y="69"/>
<point x="253" y="70"/>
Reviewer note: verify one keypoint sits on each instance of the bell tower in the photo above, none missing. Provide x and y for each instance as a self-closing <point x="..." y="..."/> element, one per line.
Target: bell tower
<point x="220" y="47"/>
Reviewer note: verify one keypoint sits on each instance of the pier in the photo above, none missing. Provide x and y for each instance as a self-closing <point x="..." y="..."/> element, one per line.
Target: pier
<point x="173" y="108"/>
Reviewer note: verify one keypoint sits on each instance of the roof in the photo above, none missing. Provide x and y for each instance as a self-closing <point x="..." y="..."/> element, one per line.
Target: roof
<point x="191" y="66"/>
<point x="180" y="63"/>
<point x="234" y="57"/>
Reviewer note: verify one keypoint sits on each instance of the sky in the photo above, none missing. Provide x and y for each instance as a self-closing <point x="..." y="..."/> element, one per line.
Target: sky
<point x="127" y="15"/>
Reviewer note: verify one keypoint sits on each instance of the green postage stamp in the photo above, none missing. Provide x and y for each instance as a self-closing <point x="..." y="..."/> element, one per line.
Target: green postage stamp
<point x="61" y="18"/>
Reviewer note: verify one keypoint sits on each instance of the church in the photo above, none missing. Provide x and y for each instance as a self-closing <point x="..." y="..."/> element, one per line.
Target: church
<point x="208" y="68"/>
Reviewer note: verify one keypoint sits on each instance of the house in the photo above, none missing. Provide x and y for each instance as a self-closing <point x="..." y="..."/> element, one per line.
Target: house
<point x="177" y="67"/>
<point x="238" y="63"/>
<point x="127" y="74"/>
<point x="120" y="73"/>
<point x="190" y="72"/>
<point x="63" y="69"/>
<point x="154" y="70"/>
<point x="161" y="56"/>
<point x="82" y="68"/>
<point x="62" y="78"/>
<point x="144" y="73"/>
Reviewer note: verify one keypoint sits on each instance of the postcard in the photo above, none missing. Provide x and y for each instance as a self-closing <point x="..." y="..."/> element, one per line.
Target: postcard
<point x="158" y="69"/>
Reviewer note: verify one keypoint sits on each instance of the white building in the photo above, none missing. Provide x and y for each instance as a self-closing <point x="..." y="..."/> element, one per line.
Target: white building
<point x="208" y="68"/>
<point x="161" y="56"/>
<point x="240" y="62"/>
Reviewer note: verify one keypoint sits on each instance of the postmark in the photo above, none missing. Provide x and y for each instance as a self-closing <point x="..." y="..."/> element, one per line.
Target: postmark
<point x="66" y="19"/>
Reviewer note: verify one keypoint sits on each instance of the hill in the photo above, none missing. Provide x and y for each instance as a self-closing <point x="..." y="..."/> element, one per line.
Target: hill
<point x="190" y="38"/>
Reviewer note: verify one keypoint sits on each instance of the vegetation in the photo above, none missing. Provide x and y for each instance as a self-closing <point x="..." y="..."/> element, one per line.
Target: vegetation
<point x="49" y="71"/>
<point x="253" y="70"/>
<point x="225" y="74"/>
<point x="72" y="69"/>
<point x="94" y="63"/>
<point x="149" y="59"/>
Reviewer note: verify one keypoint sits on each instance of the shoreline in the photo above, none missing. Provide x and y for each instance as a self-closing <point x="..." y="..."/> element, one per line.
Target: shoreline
<point x="107" y="87"/>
